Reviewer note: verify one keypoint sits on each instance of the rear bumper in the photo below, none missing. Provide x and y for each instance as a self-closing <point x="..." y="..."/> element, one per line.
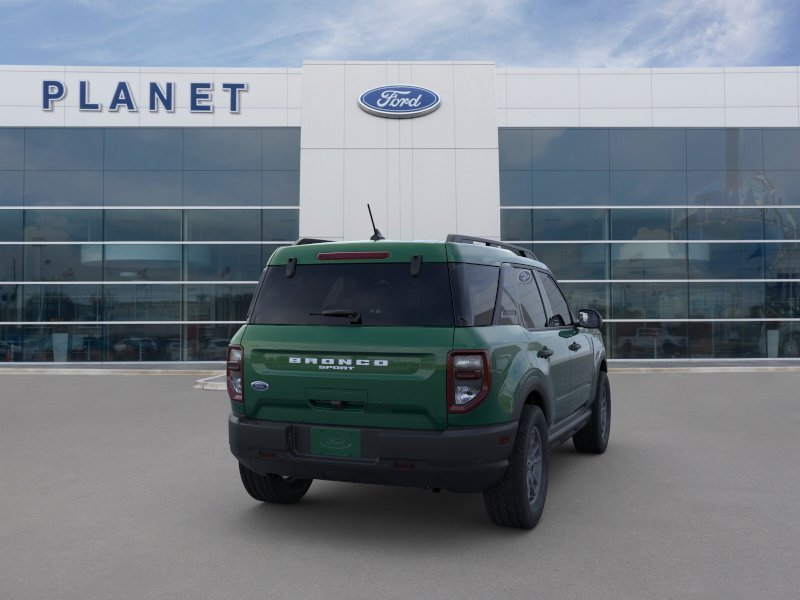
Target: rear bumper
<point x="459" y="460"/>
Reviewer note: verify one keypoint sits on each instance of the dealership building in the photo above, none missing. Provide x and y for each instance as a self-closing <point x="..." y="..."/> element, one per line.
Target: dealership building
<point x="138" y="206"/>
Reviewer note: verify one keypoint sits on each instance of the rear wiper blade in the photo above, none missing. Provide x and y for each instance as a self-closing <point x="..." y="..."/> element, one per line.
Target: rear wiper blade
<point x="353" y="315"/>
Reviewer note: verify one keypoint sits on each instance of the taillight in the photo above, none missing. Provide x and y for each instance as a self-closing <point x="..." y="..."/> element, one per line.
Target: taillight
<point x="234" y="373"/>
<point x="468" y="379"/>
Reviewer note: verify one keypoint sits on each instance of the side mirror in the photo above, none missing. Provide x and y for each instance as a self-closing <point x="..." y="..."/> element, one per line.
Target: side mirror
<point x="589" y="318"/>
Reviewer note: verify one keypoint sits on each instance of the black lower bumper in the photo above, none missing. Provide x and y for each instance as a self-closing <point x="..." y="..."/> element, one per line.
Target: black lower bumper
<point x="459" y="460"/>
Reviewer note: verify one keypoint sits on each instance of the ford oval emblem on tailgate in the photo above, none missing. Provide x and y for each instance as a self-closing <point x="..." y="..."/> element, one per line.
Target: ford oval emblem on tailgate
<point x="259" y="386"/>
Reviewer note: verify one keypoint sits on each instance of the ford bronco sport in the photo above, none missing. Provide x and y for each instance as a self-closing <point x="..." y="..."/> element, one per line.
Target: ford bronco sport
<point x="456" y="365"/>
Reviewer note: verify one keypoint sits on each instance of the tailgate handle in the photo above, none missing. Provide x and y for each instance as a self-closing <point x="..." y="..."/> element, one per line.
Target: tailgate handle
<point x="337" y="404"/>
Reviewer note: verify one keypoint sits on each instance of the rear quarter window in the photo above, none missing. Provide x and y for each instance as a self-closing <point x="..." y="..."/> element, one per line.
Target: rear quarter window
<point x="474" y="293"/>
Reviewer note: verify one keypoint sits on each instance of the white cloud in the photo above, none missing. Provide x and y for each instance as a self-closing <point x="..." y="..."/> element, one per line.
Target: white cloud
<point x="675" y="33"/>
<point x="546" y="33"/>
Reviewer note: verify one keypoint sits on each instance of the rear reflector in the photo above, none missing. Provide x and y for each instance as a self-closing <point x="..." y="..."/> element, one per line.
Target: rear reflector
<point x="352" y="255"/>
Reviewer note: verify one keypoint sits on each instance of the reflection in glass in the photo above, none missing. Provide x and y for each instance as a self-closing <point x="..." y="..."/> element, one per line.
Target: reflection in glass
<point x="63" y="188"/>
<point x="280" y="224"/>
<point x="783" y="299"/>
<point x="142" y="225"/>
<point x="574" y="261"/>
<point x="649" y="300"/>
<point x="11" y="189"/>
<point x="63" y="262"/>
<point x="516" y="188"/>
<point x="63" y="343"/>
<point x="143" y="188"/>
<point x="222" y="148"/>
<point x="732" y="188"/>
<point x="726" y="300"/>
<point x="239" y="262"/>
<point x="11" y="263"/>
<point x="516" y="225"/>
<point x="579" y="225"/>
<point x="281" y="148"/>
<point x="570" y="149"/>
<point x="48" y="303"/>
<point x="10" y="226"/>
<point x="723" y="149"/>
<point x="208" y="342"/>
<point x="10" y="305"/>
<point x="280" y="188"/>
<point x="725" y="223"/>
<point x="648" y="187"/>
<point x="648" y="224"/>
<point x="782" y="224"/>
<point x="783" y="187"/>
<point x="63" y="148"/>
<point x="140" y="342"/>
<point x="12" y="148"/>
<point x="782" y="148"/>
<point x="218" y="302"/>
<point x="222" y="225"/>
<point x="514" y="147"/>
<point x="726" y="261"/>
<point x="582" y="188"/>
<point x="724" y="339"/>
<point x="142" y="302"/>
<point x="648" y="149"/>
<point x="782" y="261"/>
<point x="143" y="149"/>
<point x="648" y="261"/>
<point x="63" y="225"/>
<point x="222" y="188"/>
<point x="588" y="295"/>
<point x="141" y="262"/>
<point x="650" y="339"/>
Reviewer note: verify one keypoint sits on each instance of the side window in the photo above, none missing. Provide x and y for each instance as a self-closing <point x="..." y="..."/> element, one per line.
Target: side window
<point x="508" y="314"/>
<point x="530" y="300"/>
<point x="558" y="303"/>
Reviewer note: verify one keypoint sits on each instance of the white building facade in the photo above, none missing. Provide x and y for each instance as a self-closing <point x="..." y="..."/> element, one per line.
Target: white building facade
<point x="138" y="205"/>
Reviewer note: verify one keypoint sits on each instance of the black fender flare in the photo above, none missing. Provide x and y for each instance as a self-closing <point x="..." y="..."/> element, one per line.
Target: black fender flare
<point x="531" y="385"/>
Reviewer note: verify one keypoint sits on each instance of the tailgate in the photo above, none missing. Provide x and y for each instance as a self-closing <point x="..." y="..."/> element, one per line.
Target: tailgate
<point x="390" y="377"/>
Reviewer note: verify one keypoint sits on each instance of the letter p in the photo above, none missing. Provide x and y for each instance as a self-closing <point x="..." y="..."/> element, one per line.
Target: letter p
<point x="52" y="91"/>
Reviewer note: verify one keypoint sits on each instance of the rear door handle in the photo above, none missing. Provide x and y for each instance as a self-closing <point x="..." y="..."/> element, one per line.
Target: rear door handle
<point x="544" y="353"/>
<point x="574" y="346"/>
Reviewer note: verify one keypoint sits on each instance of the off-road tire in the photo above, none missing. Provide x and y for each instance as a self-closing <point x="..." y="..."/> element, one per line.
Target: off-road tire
<point x="518" y="500"/>
<point x="275" y="489"/>
<point x="593" y="438"/>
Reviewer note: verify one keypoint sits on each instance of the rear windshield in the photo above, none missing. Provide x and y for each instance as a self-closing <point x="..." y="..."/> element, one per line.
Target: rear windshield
<point x="376" y="294"/>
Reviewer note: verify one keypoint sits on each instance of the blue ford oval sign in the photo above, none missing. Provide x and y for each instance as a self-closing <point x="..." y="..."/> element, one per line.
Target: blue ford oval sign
<point x="399" y="101"/>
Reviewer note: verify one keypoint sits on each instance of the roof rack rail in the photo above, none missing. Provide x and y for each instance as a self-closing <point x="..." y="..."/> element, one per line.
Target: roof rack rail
<point x="304" y="241"/>
<point x="468" y="239"/>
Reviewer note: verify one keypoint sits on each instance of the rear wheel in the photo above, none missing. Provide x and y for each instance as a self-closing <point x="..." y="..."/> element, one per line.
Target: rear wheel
<point x="518" y="500"/>
<point x="593" y="438"/>
<point x="273" y="488"/>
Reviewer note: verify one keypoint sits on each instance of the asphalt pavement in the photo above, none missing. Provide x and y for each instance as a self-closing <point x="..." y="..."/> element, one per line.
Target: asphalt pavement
<point x="122" y="486"/>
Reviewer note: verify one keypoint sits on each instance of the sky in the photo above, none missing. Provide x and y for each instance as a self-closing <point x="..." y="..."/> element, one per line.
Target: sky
<point x="274" y="33"/>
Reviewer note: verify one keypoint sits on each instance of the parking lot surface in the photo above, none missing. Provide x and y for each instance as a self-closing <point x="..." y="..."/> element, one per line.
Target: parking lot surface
<point x="122" y="486"/>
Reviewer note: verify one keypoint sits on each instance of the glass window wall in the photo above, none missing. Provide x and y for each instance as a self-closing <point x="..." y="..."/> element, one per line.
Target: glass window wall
<point x="705" y="263"/>
<point x="98" y="257"/>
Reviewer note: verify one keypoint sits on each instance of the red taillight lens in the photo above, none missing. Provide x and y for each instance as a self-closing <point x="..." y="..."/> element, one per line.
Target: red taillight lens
<point x="235" y="373"/>
<point x="468" y="379"/>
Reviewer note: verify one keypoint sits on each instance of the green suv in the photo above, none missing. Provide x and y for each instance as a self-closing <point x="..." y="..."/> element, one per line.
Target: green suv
<point x="456" y="365"/>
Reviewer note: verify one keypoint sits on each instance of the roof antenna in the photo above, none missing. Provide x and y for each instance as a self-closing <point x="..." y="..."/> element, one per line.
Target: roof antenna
<point x="377" y="235"/>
